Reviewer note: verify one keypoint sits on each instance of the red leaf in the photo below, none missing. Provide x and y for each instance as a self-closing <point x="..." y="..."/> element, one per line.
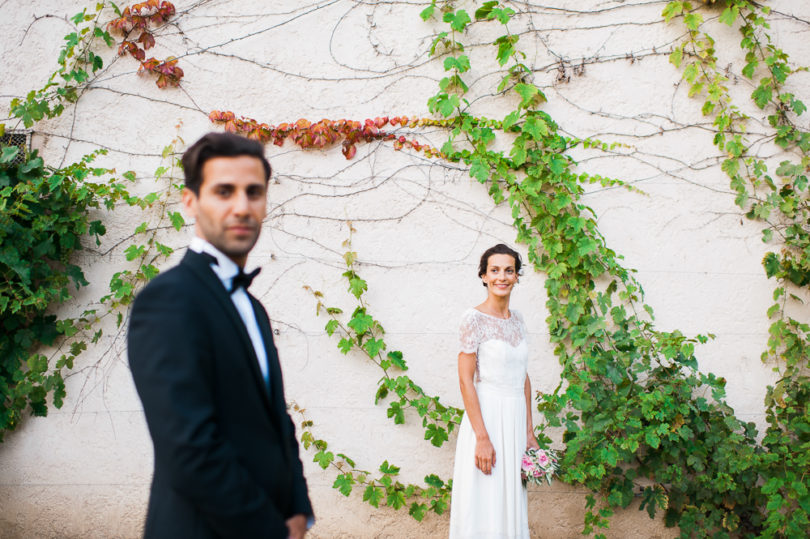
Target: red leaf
<point x="349" y="151"/>
<point x="147" y="39"/>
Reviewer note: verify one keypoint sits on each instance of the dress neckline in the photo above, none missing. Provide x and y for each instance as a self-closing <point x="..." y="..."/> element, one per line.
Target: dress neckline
<point x="511" y="314"/>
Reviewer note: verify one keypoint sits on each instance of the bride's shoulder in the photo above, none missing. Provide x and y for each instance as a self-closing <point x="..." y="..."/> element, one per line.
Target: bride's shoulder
<point x="469" y="314"/>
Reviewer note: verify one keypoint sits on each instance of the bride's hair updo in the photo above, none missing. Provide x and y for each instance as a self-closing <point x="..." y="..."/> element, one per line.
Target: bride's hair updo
<point x="500" y="249"/>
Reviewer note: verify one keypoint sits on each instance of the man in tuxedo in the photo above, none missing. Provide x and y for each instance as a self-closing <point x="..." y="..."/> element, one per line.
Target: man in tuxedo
<point x="202" y="356"/>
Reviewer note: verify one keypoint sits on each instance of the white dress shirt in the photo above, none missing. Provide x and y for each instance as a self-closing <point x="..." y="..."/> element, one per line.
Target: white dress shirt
<point x="226" y="269"/>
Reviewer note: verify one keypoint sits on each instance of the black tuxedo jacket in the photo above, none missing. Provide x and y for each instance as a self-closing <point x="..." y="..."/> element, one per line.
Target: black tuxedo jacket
<point x="226" y="457"/>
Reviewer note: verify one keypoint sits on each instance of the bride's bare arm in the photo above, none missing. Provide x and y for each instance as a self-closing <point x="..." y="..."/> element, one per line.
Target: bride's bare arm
<point x="531" y="441"/>
<point x="484" y="452"/>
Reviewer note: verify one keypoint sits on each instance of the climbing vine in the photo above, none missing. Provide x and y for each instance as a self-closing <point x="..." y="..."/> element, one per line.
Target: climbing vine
<point x="362" y="332"/>
<point x="44" y="214"/>
<point x="43" y="219"/>
<point x="385" y="489"/>
<point x="782" y="203"/>
<point x="639" y="418"/>
<point x="77" y="64"/>
<point x="133" y="25"/>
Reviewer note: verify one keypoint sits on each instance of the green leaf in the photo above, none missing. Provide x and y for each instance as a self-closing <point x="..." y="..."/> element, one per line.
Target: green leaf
<point x="373" y="495"/>
<point x="462" y="63"/>
<point x="671" y="10"/>
<point x="511" y="119"/>
<point x="418" y="511"/>
<point x="729" y="15"/>
<point x="396" y="360"/>
<point x="149" y="271"/>
<point x="530" y="94"/>
<point x="458" y="20"/>
<point x="345" y="345"/>
<point x="395" y="499"/>
<point x="771" y="264"/>
<point x="134" y="251"/>
<point x="176" y="219"/>
<point x="8" y="154"/>
<point x="484" y="11"/>
<point x="331" y="326"/>
<point x="357" y="286"/>
<point x="396" y="412"/>
<point x="361" y="322"/>
<point x="426" y="14"/>
<point x="344" y="483"/>
<point x="374" y="346"/>
<point x="389" y="469"/>
<point x="676" y="57"/>
<point x="762" y="96"/>
<point x="323" y="458"/>
<point x="748" y="70"/>
<point x="518" y="153"/>
<point x="693" y="20"/>
<point x="437" y="435"/>
<point x="535" y="127"/>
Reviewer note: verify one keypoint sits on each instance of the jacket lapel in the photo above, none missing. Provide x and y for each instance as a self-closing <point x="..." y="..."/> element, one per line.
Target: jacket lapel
<point x="200" y="265"/>
<point x="276" y="386"/>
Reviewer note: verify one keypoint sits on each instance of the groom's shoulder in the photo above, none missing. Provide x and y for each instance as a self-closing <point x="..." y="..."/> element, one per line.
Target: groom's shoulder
<point x="178" y="280"/>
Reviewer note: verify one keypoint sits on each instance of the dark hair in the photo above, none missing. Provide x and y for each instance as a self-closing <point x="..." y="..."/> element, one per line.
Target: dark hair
<point x="219" y="145"/>
<point x="500" y="249"/>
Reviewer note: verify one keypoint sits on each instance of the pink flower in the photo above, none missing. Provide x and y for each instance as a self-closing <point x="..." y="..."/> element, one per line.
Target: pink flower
<point x="542" y="458"/>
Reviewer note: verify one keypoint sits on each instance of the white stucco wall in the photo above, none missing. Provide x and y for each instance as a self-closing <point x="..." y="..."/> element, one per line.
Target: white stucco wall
<point x="84" y="471"/>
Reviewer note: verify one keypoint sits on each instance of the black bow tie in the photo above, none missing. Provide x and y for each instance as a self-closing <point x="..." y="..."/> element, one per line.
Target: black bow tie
<point x="241" y="279"/>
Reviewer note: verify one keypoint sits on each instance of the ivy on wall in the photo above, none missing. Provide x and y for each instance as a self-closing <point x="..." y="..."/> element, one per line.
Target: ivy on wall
<point x="43" y="219"/>
<point x="45" y="215"/>
<point x="634" y="407"/>
<point x="631" y="397"/>
<point x="780" y="200"/>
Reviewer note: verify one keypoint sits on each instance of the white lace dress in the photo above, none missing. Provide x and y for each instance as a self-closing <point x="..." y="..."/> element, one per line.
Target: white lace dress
<point x="493" y="506"/>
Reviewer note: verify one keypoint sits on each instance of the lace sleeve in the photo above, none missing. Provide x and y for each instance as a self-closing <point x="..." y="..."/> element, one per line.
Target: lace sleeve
<point x="469" y="334"/>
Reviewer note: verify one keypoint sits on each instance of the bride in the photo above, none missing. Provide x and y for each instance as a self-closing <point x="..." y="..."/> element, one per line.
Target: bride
<point x="488" y="499"/>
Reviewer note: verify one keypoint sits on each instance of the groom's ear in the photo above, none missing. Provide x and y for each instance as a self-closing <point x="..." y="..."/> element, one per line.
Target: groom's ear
<point x="189" y="199"/>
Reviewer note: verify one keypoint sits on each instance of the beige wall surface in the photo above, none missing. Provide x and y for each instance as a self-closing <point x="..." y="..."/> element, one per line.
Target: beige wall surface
<point x="84" y="471"/>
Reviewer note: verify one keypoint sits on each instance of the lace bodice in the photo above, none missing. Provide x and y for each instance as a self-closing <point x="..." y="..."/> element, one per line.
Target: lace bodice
<point x="500" y="347"/>
<point x="477" y="327"/>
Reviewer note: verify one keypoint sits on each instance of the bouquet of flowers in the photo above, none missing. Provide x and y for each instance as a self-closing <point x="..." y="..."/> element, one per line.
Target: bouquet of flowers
<point x="538" y="465"/>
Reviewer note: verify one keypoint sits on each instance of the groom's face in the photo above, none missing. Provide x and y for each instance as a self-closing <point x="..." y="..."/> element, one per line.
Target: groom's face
<point x="231" y="204"/>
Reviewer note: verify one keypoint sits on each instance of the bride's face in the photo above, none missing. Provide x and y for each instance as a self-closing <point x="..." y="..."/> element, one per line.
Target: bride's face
<point x="501" y="275"/>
